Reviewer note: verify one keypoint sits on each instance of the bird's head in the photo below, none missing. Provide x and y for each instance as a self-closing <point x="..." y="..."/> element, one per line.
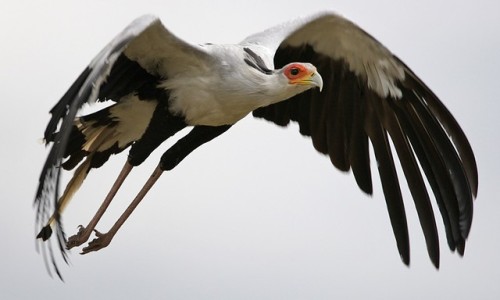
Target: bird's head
<point x="302" y="76"/>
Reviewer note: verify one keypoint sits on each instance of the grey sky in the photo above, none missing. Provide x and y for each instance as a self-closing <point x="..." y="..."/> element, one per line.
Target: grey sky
<point x="257" y="213"/>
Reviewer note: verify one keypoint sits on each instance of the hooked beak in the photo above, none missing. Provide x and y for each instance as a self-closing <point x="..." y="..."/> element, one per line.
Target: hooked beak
<point x="316" y="80"/>
<point x="313" y="79"/>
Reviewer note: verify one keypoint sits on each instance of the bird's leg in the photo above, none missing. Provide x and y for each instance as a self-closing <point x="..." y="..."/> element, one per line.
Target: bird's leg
<point x="171" y="158"/>
<point x="196" y="137"/>
<point x="84" y="232"/>
<point x="103" y="239"/>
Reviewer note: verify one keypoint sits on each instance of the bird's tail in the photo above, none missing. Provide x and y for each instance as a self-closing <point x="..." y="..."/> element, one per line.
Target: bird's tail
<point x="93" y="139"/>
<point x="73" y="185"/>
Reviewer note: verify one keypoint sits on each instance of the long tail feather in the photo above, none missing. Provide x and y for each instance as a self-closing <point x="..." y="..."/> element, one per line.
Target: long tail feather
<point x="73" y="186"/>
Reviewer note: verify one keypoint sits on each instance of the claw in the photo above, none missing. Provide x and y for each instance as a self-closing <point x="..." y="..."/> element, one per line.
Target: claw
<point x="102" y="240"/>
<point x="79" y="238"/>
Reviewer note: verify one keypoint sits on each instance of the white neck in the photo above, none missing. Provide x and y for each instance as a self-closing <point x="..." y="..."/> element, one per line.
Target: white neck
<point x="225" y="93"/>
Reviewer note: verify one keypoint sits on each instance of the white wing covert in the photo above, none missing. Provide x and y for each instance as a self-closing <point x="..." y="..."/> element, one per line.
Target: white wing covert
<point x="143" y="53"/>
<point x="370" y="95"/>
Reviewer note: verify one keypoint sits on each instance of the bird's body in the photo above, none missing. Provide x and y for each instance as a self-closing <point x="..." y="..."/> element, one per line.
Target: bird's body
<point x="161" y="84"/>
<point x="225" y="90"/>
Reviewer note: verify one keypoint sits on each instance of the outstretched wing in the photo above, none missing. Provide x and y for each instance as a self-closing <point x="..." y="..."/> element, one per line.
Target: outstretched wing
<point x="143" y="53"/>
<point x="369" y="95"/>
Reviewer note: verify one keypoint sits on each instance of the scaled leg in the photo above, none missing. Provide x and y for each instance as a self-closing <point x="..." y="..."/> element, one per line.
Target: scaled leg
<point x="171" y="158"/>
<point x="84" y="232"/>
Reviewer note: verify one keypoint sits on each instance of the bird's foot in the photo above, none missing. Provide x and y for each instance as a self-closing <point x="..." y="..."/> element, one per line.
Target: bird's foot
<point x="79" y="238"/>
<point x="102" y="240"/>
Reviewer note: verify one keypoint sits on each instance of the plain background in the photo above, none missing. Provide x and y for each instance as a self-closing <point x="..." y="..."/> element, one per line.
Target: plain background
<point x="257" y="213"/>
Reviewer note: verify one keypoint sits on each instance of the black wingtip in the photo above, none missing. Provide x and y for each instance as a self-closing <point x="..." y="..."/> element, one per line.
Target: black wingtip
<point x="405" y="257"/>
<point x="435" y="261"/>
<point x="461" y="247"/>
<point x="45" y="233"/>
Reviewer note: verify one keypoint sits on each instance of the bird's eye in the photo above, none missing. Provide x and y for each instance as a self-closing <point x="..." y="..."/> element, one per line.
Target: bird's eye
<point x="294" y="71"/>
